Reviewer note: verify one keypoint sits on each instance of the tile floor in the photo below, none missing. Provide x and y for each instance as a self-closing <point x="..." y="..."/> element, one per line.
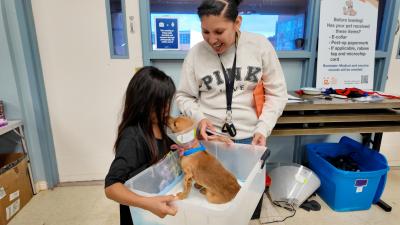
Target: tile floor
<point x="87" y="205"/>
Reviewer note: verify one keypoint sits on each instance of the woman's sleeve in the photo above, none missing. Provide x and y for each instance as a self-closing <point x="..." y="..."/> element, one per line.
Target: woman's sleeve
<point x="187" y="95"/>
<point x="274" y="88"/>
<point x="129" y="160"/>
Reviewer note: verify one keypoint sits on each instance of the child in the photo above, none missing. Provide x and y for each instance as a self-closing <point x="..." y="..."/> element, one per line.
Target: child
<point x="141" y="141"/>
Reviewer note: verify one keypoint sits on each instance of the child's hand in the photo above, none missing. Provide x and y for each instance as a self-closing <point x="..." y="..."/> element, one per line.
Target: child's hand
<point x="160" y="205"/>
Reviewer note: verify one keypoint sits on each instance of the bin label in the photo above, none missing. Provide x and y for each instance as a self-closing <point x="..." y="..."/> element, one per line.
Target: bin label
<point x="360" y="184"/>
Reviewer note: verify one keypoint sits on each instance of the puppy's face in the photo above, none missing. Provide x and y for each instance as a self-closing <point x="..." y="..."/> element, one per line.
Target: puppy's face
<point x="180" y="123"/>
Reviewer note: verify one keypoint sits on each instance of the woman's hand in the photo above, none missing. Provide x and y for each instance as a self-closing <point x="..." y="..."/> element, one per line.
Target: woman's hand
<point x="220" y="138"/>
<point x="203" y="125"/>
<point x="259" y="139"/>
<point x="161" y="205"/>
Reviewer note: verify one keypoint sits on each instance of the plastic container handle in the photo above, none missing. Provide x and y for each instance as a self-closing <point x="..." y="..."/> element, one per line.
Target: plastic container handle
<point x="264" y="157"/>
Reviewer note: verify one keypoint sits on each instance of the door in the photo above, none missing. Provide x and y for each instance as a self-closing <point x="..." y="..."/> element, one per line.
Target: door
<point x="85" y="86"/>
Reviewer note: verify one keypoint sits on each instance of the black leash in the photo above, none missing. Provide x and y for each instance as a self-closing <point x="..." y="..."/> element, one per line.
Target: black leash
<point x="284" y="205"/>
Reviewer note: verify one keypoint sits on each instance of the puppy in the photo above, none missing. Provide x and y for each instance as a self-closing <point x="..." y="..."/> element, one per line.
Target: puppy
<point x="214" y="181"/>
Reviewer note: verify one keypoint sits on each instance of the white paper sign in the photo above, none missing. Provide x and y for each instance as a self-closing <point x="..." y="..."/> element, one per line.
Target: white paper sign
<point x="346" y="47"/>
<point x="14" y="195"/>
<point x="12" y="209"/>
<point x="2" y="193"/>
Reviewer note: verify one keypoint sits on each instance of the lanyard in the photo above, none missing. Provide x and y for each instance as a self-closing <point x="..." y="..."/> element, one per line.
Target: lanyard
<point x="229" y="85"/>
<point x="229" y="81"/>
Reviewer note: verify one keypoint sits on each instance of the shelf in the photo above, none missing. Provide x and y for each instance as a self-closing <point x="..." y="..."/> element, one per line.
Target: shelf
<point x="331" y="116"/>
<point x="12" y="124"/>
<point x="337" y="129"/>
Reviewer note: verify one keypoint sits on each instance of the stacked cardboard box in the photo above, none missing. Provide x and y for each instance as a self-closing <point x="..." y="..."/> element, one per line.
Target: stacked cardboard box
<point x="3" y="120"/>
<point x="2" y="113"/>
<point x="15" y="185"/>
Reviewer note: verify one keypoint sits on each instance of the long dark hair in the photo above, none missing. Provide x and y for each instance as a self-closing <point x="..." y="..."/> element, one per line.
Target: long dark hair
<point x="216" y="7"/>
<point x="150" y="91"/>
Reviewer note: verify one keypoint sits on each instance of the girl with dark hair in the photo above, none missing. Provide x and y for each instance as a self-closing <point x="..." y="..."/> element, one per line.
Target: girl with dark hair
<point x="141" y="141"/>
<point x="220" y="74"/>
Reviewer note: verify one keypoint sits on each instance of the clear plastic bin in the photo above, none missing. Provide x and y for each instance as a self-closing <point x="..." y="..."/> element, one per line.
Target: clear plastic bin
<point x="292" y="183"/>
<point x="242" y="160"/>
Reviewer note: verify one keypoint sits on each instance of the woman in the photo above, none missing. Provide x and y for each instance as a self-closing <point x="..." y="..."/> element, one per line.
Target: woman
<point x="207" y="86"/>
<point x="141" y="141"/>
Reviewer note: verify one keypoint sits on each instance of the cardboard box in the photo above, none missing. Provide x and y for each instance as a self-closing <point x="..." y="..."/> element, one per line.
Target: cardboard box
<point x="15" y="185"/>
<point x="3" y="120"/>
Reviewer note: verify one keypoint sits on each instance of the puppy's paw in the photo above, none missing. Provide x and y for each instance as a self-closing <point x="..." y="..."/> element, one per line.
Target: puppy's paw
<point x="181" y="196"/>
<point x="203" y="191"/>
<point x="198" y="186"/>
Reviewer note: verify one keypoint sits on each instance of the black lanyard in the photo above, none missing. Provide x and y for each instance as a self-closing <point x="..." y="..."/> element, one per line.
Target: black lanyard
<point x="229" y="86"/>
<point x="229" y="82"/>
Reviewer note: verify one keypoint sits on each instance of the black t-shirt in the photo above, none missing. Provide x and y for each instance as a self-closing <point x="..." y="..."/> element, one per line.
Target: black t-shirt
<point x="132" y="157"/>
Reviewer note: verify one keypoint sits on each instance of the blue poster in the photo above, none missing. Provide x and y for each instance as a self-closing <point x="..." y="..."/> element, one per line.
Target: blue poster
<point x="167" y="33"/>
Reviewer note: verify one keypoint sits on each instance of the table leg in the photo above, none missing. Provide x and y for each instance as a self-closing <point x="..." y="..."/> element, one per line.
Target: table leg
<point x="297" y="151"/>
<point x="366" y="139"/>
<point x="20" y="132"/>
<point x="376" y="145"/>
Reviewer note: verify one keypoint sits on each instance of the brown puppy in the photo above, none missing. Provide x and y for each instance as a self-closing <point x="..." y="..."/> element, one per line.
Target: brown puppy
<point x="214" y="181"/>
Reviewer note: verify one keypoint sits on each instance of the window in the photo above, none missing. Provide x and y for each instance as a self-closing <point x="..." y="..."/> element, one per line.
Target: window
<point x="381" y="8"/>
<point x="116" y="28"/>
<point x="282" y="22"/>
<point x="398" y="45"/>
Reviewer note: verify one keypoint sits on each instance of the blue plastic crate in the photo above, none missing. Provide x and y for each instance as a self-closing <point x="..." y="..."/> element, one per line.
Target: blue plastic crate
<point x="347" y="190"/>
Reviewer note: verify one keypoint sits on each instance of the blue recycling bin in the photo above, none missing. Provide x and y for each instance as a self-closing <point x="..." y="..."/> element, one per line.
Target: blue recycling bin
<point x="348" y="190"/>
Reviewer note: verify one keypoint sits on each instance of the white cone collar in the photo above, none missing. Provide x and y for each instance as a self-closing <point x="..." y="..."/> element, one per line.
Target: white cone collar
<point x="183" y="137"/>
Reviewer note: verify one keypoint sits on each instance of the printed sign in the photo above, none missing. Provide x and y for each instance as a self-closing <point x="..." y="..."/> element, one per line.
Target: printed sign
<point x="346" y="47"/>
<point x="167" y="33"/>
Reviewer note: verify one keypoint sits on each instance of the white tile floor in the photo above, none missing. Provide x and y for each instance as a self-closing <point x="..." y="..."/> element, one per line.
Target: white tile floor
<point x="87" y="205"/>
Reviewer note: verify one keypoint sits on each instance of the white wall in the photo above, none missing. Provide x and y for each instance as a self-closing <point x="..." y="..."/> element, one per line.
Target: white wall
<point x="390" y="143"/>
<point x="84" y="86"/>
